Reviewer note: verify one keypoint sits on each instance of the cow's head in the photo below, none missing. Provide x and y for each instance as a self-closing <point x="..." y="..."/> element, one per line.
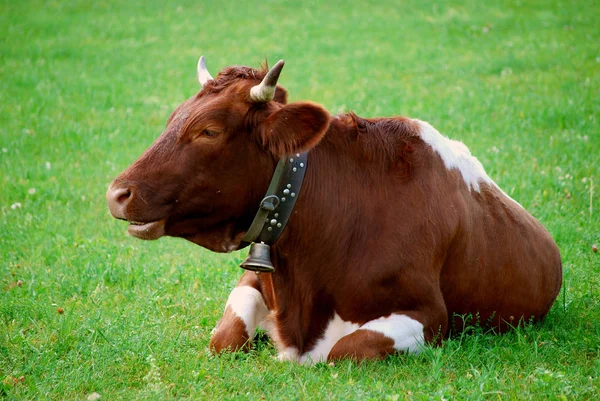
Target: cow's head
<point x="205" y="175"/>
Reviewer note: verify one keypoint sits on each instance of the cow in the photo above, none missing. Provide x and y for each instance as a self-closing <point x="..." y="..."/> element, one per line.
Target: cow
<point x="397" y="235"/>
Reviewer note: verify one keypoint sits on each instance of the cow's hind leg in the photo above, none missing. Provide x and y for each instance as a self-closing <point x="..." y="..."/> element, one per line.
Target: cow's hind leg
<point x="244" y="311"/>
<point x="380" y="337"/>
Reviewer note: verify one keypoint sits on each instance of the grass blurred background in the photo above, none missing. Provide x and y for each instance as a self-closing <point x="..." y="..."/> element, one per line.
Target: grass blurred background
<point x="85" y="87"/>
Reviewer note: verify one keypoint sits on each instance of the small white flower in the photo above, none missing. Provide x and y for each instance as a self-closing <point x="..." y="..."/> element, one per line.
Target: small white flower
<point x="48" y="166"/>
<point x="31" y="191"/>
<point x="153" y="378"/>
<point x="16" y="205"/>
<point x="94" y="396"/>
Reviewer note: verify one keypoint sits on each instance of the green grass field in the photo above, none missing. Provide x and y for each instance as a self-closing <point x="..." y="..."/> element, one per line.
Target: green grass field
<point x="86" y="86"/>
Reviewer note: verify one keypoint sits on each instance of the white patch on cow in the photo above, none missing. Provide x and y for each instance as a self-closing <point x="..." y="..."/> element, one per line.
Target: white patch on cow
<point x="455" y="155"/>
<point x="406" y="332"/>
<point x="336" y="329"/>
<point x="248" y="304"/>
<point x="289" y="354"/>
<point x="232" y="247"/>
<point x="268" y="324"/>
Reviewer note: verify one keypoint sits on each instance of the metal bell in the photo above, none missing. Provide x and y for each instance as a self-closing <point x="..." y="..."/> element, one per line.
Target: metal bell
<point x="258" y="259"/>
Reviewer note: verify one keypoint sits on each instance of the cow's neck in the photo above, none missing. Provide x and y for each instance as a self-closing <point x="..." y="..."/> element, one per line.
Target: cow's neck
<point x="311" y="255"/>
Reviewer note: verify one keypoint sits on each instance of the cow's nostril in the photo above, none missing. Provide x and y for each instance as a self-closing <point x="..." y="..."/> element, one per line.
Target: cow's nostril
<point x="124" y="197"/>
<point x="117" y="199"/>
<point x="119" y="195"/>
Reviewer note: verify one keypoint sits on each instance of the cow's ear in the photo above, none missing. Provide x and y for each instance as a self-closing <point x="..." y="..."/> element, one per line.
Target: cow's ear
<point x="280" y="95"/>
<point x="295" y="128"/>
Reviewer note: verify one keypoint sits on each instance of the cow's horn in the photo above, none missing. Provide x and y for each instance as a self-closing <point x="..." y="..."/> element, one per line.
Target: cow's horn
<point x="265" y="91"/>
<point x="203" y="74"/>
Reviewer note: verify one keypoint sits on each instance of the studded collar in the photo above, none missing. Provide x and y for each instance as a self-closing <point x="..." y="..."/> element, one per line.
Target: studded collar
<point x="278" y="203"/>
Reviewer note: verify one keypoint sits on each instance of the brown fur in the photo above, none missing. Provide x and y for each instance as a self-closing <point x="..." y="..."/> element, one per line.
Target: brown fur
<point x="362" y="344"/>
<point x="230" y="335"/>
<point x="380" y="226"/>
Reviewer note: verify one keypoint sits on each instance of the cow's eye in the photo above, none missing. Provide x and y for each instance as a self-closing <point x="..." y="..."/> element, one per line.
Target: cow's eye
<point x="209" y="133"/>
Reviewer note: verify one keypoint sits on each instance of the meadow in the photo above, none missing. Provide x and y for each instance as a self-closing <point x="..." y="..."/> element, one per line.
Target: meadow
<point x="85" y="87"/>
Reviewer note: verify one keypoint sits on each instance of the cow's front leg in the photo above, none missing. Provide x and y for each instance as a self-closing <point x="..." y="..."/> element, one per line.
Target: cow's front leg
<point x="380" y="337"/>
<point x="245" y="310"/>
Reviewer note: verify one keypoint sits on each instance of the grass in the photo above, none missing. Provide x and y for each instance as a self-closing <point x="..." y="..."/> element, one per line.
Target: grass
<point x="85" y="87"/>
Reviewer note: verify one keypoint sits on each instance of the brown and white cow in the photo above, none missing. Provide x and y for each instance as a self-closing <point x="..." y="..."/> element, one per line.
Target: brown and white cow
<point x="396" y="231"/>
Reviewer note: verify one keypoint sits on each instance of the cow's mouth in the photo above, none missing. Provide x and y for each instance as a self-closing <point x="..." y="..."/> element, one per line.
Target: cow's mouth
<point x="148" y="231"/>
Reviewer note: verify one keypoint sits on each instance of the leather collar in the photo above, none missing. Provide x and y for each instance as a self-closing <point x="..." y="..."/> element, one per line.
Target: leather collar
<point x="278" y="203"/>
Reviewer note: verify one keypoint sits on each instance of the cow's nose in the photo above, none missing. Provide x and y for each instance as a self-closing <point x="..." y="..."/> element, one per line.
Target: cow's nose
<point x="117" y="199"/>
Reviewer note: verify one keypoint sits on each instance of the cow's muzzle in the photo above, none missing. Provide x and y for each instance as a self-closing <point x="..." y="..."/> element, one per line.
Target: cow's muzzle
<point x="118" y="198"/>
